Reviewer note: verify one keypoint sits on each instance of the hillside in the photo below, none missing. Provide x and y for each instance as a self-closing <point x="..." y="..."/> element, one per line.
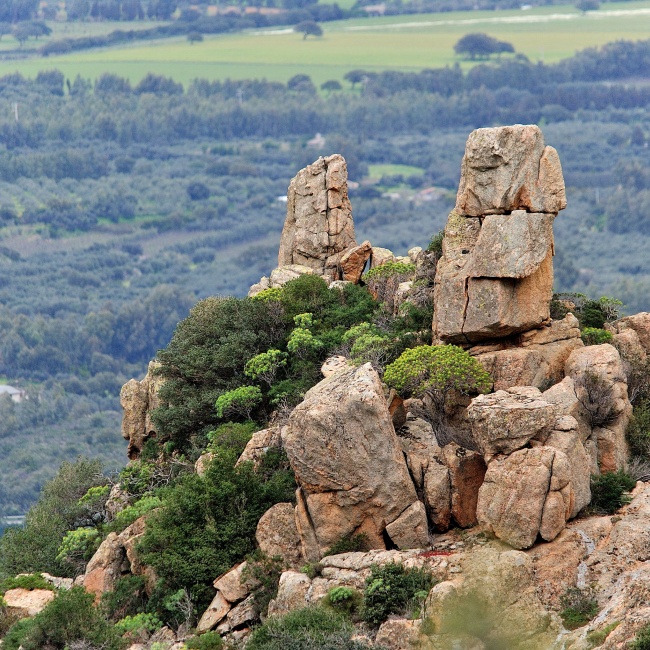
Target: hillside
<point x="122" y="205"/>
<point x="369" y="451"/>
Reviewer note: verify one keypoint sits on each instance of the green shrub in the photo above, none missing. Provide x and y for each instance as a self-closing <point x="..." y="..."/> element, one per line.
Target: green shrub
<point x="388" y="270"/>
<point x="207" y="523"/>
<point x="641" y="639"/>
<point x="638" y="430"/>
<point x="29" y="581"/>
<point x="345" y="600"/>
<point x="240" y="401"/>
<point x="436" y="370"/>
<point x="349" y="544"/>
<point x="131" y="513"/>
<point x="232" y="435"/>
<point x="578" y="607"/>
<point x="138" y="626"/>
<point x="207" y="641"/>
<point x="78" y="546"/>
<point x="435" y="245"/>
<point x="312" y="628"/>
<point x="127" y="598"/>
<point x="609" y="492"/>
<point x="69" y="617"/>
<point x="595" y="336"/>
<point x="392" y="589"/>
<point x="206" y="358"/>
<point x="592" y="315"/>
<point x="598" y="637"/>
<point x="312" y="569"/>
<point x="266" y="365"/>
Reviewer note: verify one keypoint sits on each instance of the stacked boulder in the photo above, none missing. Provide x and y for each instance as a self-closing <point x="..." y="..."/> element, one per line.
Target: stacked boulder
<point x="318" y="235"/>
<point x="495" y="277"/>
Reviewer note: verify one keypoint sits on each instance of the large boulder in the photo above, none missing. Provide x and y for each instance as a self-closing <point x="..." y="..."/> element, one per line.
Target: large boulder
<point x="27" y="602"/>
<point x="139" y="399"/>
<point x="526" y="494"/>
<point x="354" y="260"/>
<point x="318" y="228"/>
<point x="639" y="324"/>
<point x="505" y="421"/>
<point x="277" y="534"/>
<point x="508" y="168"/>
<point x="106" y="566"/>
<point x="348" y="462"/>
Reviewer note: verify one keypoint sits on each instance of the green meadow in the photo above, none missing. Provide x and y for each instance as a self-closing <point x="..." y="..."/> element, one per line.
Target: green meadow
<point x="410" y="42"/>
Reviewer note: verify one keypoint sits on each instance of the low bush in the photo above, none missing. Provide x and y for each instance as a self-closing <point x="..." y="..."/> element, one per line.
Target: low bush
<point x="578" y="607"/>
<point x="609" y="492"/>
<point x="78" y="546"/>
<point x="265" y="571"/>
<point x="641" y="639"/>
<point x="595" y="336"/>
<point x="138" y="627"/>
<point x="207" y="523"/>
<point x="29" y="581"/>
<point x="68" y="618"/>
<point x="392" y="589"/>
<point x="207" y="641"/>
<point x="345" y="600"/>
<point x="127" y="598"/>
<point x="638" y="430"/>
<point x="312" y="628"/>
<point x="596" y="638"/>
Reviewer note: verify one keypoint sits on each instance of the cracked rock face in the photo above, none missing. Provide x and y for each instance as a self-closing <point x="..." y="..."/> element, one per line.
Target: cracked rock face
<point x="319" y="227"/>
<point x="495" y="277"/>
<point x="349" y="464"/>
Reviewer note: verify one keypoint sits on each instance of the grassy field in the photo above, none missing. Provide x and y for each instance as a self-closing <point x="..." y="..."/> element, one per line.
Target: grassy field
<point x="394" y="42"/>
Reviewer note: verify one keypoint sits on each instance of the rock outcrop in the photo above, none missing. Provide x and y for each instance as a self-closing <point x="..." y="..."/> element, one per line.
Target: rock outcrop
<point x="23" y="603"/>
<point x="318" y="228"/>
<point x="495" y="277"/>
<point x="139" y="399"/>
<point x="349" y="465"/>
<point x="526" y="494"/>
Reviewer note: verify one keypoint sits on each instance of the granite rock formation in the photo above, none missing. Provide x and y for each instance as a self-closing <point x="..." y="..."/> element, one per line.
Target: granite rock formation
<point x="318" y="228"/>
<point x="349" y="465"/>
<point x="496" y="274"/>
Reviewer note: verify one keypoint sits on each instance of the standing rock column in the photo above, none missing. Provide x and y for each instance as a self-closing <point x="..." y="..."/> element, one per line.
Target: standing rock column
<point x="495" y="277"/>
<point x="319" y="227"/>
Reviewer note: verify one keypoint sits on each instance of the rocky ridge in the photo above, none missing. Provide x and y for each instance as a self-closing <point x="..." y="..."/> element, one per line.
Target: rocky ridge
<point x="366" y="463"/>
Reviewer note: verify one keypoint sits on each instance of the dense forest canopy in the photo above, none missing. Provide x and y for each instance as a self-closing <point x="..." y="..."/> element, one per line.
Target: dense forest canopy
<point x="121" y="205"/>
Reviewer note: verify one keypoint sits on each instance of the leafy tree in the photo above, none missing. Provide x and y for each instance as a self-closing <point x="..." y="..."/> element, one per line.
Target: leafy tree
<point x="266" y="365"/>
<point x="240" y="401"/>
<point x="479" y="45"/>
<point x="331" y="86"/>
<point x="355" y="76"/>
<point x="308" y="28"/>
<point x="587" y="5"/>
<point x="36" y="546"/>
<point x="301" y="83"/>
<point x="198" y="191"/>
